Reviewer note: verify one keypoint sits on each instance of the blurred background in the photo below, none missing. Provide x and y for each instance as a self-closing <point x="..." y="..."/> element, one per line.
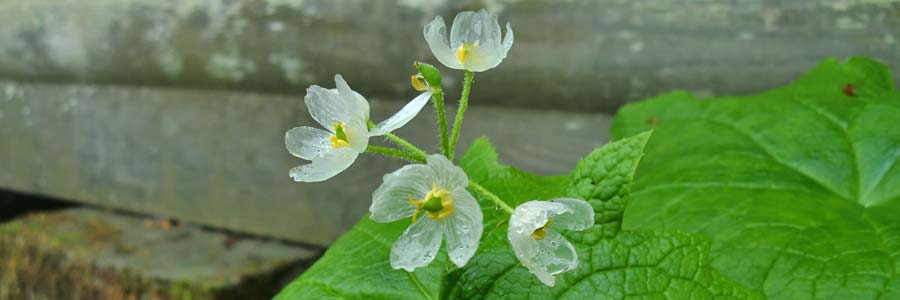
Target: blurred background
<point x="142" y="142"/>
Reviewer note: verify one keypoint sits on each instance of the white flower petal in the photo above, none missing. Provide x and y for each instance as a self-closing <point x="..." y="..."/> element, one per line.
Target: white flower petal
<point x="445" y="174"/>
<point x="490" y="30"/>
<point x="307" y="142"/>
<point x="328" y="106"/>
<point x="357" y="135"/>
<point x="418" y="245"/>
<point x="507" y="41"/>
<point x="436" y="37"/>
<point x="579" y="217"/>
<point x="545" y="258"/>
<point x="531" y="215"/>
<point x="483" y="30"/>
<point x="390" y="202"/>
<point x="466" y="28"/>
<point x="463" y="228"/>
<point x="326" y="166"/>
<point x="362" y="103"/>
<point x="403" y="116"/>
<point x="350" y="96"/>
<point x="481" y="59"/>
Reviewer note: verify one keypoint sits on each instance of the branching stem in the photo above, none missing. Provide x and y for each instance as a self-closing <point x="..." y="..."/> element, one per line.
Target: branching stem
<point x="491" y="196"/>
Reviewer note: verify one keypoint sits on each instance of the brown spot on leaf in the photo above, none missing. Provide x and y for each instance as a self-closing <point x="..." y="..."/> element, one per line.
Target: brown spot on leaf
<point x="849" y="90"/>
<point x="652" y="121"/>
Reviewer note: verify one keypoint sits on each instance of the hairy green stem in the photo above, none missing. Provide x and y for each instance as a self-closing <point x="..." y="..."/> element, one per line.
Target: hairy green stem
<point x="491" y="196"/>
<point x="463" y="105"/>
<point x="405" y="144"/>
<point x="396" y="153"/>
<point x="438" y="98"/>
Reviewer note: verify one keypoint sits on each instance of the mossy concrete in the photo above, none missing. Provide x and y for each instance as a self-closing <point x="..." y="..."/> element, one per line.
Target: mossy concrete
<point x="89" y="254"/>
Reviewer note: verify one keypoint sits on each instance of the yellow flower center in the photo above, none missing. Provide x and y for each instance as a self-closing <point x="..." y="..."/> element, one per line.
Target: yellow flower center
<point x="541" y="233"/>
<point x="339" y="138"/>
<point x="418" y="82"/>
<point x="437" y="204"/>
<point x="463" y="51"/>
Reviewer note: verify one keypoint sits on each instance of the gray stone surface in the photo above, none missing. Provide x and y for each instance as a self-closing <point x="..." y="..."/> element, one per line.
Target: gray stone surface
<point x="218" y="158"/>
<point x="581" y="54"/>
<point x="90" y="254"/>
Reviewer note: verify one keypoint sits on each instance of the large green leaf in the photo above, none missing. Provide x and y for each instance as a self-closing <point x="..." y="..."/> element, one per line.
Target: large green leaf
<point x="612" y="264"/>
<point x="798" y="187"/>
<point x="670" y="265"/>
<point x="357" y="266"/>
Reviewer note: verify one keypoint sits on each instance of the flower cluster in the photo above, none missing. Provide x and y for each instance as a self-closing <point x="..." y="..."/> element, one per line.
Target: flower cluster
<point x="433" y="193"/>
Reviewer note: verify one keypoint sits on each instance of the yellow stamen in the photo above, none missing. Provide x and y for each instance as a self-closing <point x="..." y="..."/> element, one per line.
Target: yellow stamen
<point x="418" y="208"/>
<point x="433" y="209"/>
<point x="339" y="138"/>
<point x="463" y="51"/>
<point x="418" y="82"/>
<point x="541" y="233"/>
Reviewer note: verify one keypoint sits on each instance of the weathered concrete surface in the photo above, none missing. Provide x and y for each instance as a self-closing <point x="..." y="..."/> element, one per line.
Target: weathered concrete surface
<point x="581" y="54"/>
<point x="88" y="254"/>
<point x="218" y="158"/>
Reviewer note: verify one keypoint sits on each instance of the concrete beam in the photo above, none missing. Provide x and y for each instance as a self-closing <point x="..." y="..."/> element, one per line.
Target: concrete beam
<point x="218" y="158"/>
<point x="583" y="55"/>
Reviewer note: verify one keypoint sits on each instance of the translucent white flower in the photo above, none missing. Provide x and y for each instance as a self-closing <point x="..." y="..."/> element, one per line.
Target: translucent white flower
<point x="542" y="250"/>
<point x="474" y="41"/>
<point x="434" y="195"/>
<point x="344" y="113"/>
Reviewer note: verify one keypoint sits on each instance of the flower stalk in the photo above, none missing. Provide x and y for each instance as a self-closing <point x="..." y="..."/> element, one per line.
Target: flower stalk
<point x="460" y="113"/>
<point x="406" y="144"/>
<point x="491" y="196"/>
<point x="438" y="98"/>
<point x="396" y="153"/>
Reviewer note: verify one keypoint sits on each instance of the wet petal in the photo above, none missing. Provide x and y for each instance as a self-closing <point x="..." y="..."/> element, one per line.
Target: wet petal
<point x="482" y="29"/>
<point x="403" y="116"/>
<point x="436" y="37"/>
<point x="466" y="28"/>
<point x="507" y="41"/>
<point x="328" y="106"/>
<point x="362" y="103"/>
<point x="326" y="166"/>
<point x="362" y="110"/>
<point x="490" y="30"/>
<point x="357" y="135"/>
<point x="418" y="245"/>
<point x="463" y="228"/>
<point x="307" y="142"/>
<point x="481" y="59"/>
<point x="580" y="215"/>
<point x="390" y="202"/>
<point x="445" y="174"/>
<point x="531" y="215"/>
<point x="545" y="258"/>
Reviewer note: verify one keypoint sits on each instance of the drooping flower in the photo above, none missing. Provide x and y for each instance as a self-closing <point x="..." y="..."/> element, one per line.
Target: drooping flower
<point x="434" y="196"/>
<point x="475" y="41"/>
<point x="344" y="113"/>
<point x="542" y="250"/>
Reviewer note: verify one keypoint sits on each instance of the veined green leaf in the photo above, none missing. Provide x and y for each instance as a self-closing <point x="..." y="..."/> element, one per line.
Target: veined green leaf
<point x="613" y="264"/>
<point x="798" y="187"/>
